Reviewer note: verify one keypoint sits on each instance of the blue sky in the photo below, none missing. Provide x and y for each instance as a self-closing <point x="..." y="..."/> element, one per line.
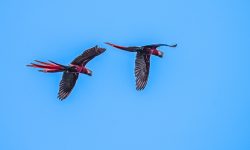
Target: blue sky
<point x="197" y="97"/>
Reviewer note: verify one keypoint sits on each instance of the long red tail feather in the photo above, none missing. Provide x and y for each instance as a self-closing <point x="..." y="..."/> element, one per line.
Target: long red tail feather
<point x="47" y="66"/>
<point x="116" y="46"/>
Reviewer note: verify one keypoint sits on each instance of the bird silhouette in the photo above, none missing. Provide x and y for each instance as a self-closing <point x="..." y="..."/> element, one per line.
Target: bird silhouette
<point x="142" y="62"/>
<point x="71" y="71"/>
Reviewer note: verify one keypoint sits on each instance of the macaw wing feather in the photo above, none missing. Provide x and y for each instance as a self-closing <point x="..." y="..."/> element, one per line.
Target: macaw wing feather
<point x="87" y="55"/>
<point x="158" y="45"/>
<point x="67" y="84"/>
<point x="142" y="65"/>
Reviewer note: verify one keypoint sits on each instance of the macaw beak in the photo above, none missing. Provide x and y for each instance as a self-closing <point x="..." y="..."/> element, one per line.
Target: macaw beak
<point x="160" y="53"/>
<point x="89" y="72"/>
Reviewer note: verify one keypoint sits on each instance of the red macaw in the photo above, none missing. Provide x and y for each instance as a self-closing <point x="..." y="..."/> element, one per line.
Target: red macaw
<point x="142" y="62"/>
<point x="70" y="72"/>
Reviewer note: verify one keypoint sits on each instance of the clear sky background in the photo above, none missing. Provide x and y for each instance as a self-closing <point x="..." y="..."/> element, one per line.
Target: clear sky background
<point x="197" y="97"/>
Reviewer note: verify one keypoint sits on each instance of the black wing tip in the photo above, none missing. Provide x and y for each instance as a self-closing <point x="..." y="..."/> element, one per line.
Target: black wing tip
<point x="158" y="45"/>
<point x="140" y="88"/>
<point x="62" y="95"/>
<point x="61" y="98"/>
<point x="100" y="49"/>
<point x="175" y="45"/>
<point x="141" y="85"/>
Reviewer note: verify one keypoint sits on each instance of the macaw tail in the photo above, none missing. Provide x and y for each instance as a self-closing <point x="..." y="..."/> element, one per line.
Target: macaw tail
<point x="48" y="66"/>
<point x="116" y="46"/>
